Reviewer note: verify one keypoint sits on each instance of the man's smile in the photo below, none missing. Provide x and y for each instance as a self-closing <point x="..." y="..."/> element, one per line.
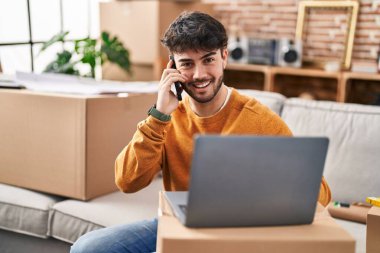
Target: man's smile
<point x="201" y="84"/>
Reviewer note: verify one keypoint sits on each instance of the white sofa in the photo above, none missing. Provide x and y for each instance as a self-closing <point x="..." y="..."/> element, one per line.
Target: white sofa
<point x="38" y="222"/>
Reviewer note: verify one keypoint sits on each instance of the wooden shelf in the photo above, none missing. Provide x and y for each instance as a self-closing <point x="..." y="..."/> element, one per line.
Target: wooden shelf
<point x="304" y="72"/>
<point x="248" y="67"/>
<point x="274" y="76"/>
<point x="361" y="76"/>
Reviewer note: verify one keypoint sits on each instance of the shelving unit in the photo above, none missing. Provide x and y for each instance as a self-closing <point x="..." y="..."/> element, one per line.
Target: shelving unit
<point x="335" y="86"/>
<point x="350" y="79"/>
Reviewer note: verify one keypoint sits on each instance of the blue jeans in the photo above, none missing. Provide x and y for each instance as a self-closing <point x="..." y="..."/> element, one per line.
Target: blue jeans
<point x="138" y="237"/>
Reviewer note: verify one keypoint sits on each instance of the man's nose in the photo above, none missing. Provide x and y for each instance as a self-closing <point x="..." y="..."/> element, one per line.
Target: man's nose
<point x="199" y="72"/>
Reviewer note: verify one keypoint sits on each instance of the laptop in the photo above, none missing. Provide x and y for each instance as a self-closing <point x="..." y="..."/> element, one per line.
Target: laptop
<point x="239" y="181"/>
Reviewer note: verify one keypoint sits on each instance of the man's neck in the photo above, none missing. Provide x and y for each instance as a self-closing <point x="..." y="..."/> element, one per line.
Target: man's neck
<point x="212" y="107"/>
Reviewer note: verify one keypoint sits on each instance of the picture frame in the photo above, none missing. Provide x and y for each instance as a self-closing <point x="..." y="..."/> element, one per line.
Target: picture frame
<point x="350" y="7"/>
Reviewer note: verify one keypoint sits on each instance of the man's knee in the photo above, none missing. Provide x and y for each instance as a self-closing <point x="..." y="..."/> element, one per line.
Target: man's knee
<point x="89" y="243"/>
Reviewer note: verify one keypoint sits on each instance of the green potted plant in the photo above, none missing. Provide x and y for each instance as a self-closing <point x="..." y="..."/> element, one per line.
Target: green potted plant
<point x="87" y="51"/>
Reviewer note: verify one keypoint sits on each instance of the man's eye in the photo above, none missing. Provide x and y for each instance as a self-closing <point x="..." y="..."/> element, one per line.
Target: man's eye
<point x="209" y="60"/>
<point x="186" y="64"/>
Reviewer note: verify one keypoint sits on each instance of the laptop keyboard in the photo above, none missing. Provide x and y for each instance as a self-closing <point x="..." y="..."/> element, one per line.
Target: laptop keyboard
<point x="183" y="208"/>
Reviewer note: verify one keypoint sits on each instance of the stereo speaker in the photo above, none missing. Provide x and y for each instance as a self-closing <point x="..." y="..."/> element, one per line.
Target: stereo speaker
<point x="238" y="49"/>
<point x="289" y="53"/>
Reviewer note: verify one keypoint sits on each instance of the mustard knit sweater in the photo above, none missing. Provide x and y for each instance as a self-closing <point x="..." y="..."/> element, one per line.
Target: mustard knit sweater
<point x="167" y="146"/>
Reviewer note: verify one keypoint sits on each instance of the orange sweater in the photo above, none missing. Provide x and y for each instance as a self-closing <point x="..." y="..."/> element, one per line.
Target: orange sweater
<point x="167" y="146"/>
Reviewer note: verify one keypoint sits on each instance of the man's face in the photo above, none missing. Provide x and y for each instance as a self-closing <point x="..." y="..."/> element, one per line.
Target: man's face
<point x="203" y="71"/>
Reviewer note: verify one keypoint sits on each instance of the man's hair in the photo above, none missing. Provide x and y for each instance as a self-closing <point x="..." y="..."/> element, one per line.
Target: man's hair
<point x="195" y="31"/>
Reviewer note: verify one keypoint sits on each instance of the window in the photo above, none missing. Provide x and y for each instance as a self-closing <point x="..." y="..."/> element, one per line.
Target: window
<point x="26" y="24"/>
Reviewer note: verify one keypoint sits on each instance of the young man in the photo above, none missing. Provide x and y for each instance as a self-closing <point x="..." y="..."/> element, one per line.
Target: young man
<point x="164" y="141"/>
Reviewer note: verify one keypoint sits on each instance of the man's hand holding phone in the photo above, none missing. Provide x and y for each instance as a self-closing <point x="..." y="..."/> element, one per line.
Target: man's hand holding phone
<point x="167" y="101"/>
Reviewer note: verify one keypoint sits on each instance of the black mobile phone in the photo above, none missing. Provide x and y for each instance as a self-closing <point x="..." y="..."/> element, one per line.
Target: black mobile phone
<point x="177" y="85"/>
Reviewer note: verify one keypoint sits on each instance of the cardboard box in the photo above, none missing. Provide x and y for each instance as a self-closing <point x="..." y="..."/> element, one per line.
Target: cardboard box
<point x="140" y="25"/>
<point x="324" y="235"/>
<point x="66" y="144"/>
<point x="373" y="230"/>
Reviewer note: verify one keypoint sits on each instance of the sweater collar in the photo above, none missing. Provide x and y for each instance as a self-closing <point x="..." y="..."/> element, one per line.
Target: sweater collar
<point x="221" y="114"/>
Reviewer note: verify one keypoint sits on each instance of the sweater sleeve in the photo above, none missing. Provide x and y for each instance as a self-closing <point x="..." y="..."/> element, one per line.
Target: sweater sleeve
<point x="142" y="158"/>
<point x="324" y="193"/>
<point x="278" y="127"/>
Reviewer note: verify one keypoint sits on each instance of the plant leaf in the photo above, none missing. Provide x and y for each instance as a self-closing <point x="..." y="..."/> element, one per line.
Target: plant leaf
<point x="62" y="64"/>
<point x="87" y="52"/>
<point x="56" y="38"/>
<point x="115" y="52"/>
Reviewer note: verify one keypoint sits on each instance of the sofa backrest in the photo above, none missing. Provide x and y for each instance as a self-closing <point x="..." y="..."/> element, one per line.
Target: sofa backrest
<point x="353" y="160"/>
<point x="274" y="101"/>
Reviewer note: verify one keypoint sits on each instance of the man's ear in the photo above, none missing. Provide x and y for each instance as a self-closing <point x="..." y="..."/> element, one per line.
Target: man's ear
<point x="224" y="53"/>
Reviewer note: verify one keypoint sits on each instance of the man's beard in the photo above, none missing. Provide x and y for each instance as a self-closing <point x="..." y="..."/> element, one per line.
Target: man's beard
<point x="216" y="89"/>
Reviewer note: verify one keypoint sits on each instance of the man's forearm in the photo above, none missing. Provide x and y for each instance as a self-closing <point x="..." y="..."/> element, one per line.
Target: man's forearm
<point x="141" y="159"/>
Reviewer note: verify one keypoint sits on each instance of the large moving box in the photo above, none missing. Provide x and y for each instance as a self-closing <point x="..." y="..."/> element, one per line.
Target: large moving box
<point x="66" y="144"/>
<point x="373" y="230"/>
<point x="324" y="235"/>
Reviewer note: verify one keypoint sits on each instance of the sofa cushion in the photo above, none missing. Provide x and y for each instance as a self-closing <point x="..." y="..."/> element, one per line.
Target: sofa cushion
<point x="73" y="218"/>
<point x="354" y="131"/>
<point x="25" y="211"/>
<point x="274" y="101"/>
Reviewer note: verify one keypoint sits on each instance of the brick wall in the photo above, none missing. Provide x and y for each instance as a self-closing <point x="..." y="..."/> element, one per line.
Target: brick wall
<point x="325" y="29"/>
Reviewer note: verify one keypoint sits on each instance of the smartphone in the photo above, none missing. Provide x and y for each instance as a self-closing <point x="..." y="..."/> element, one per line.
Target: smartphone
<point x="177" y="85"/>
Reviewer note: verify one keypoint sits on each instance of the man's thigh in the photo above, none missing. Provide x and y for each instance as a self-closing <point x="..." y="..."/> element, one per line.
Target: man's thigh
<point x="139" y="237"/>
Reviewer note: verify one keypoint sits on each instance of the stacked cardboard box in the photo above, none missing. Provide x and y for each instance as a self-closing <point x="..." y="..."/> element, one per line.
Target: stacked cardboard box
<point x="127" y="20"/>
